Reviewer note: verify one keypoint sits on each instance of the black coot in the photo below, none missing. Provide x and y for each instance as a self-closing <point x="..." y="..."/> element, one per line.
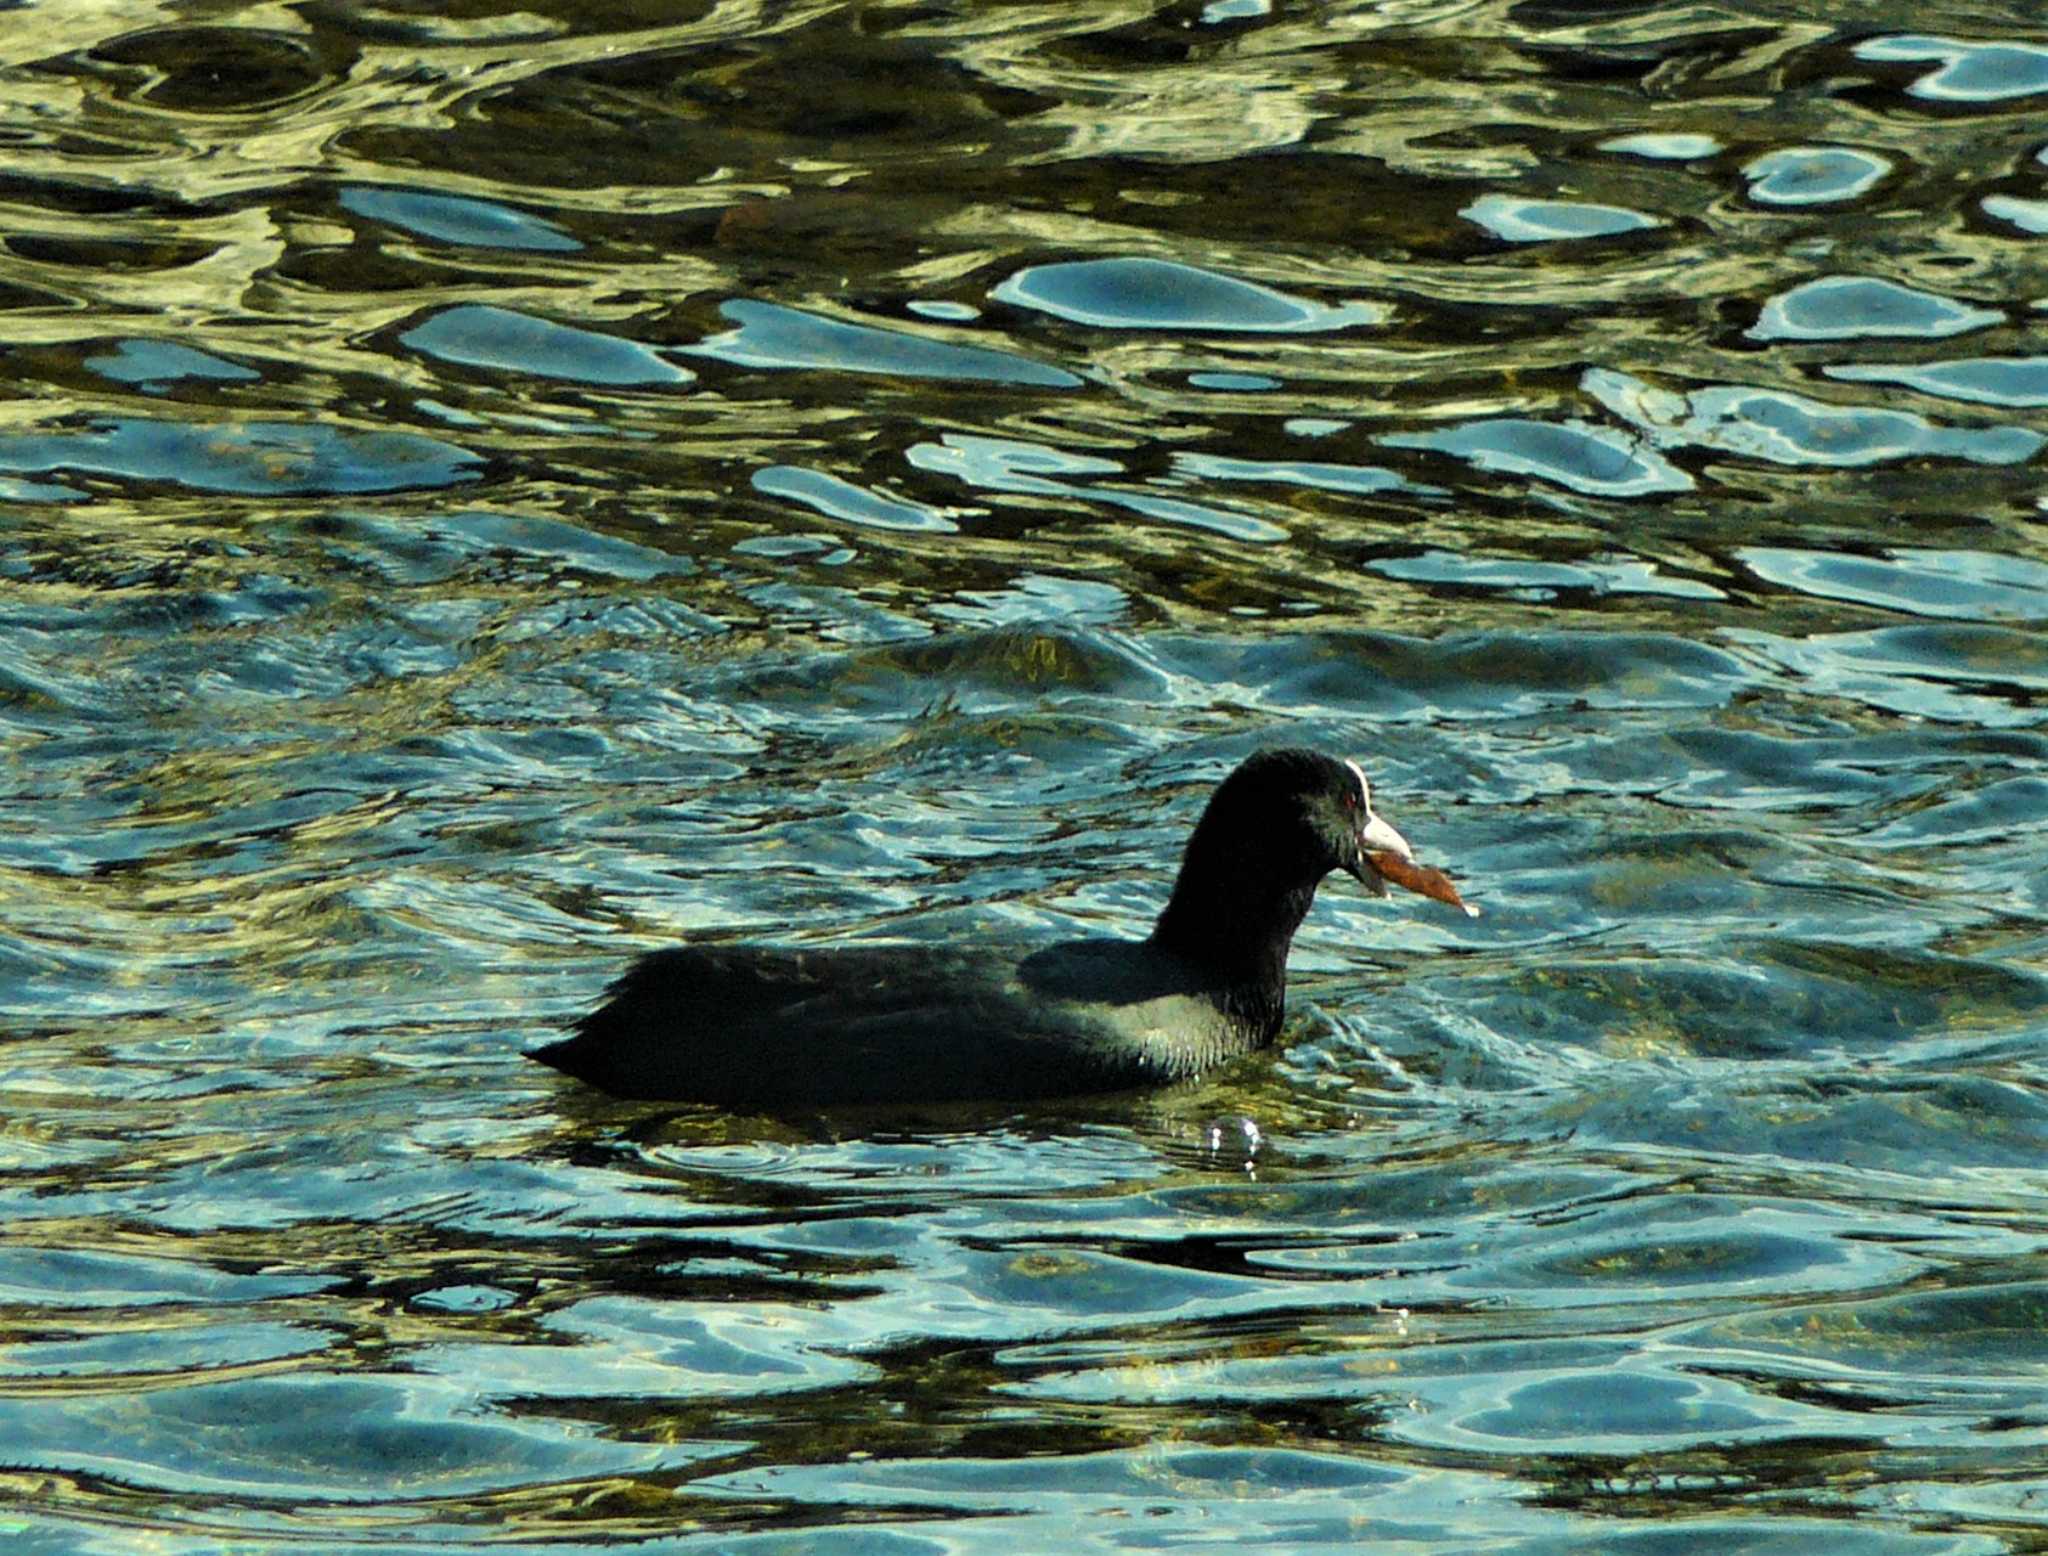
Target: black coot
<point x="750" y="1026"/>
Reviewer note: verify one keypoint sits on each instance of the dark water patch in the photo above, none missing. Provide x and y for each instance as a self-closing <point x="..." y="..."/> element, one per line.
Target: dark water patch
<point x="79" y="196"/>
<point x="1759" y="1001"/>
<point x="1387" y="677"/>
<point x="1980" y="1340"/>
<point x="1860" y="1123"/>
<point x="135" y="255"/>
<point x="222" y="70"/>
<point x="479" y="545"/>
<point x="970" y="665"/>
<point x="1993" y="810"/>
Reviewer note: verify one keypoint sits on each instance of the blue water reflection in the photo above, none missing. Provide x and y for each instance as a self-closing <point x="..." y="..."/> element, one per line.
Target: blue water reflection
<point x="1004" y="465"/>
<point x="1972" y="71"/>
<point x="1814" y="175"/>
<point x="458" y="219"/>
<point x="1331" y="477"/>
<point x="1158" y="294"/>
<point x="2021" y="381"/>
<point x="2030" y="216"/>
<point x="1964" y="585"/>
<point x="840" y="498"/>
<point x="252" y="457"/>
<point x="1665" y="145"/>
<point x="385" y="1437"/>
<point x="152" y="365"/>
<point x="1790" y="429"/>
<point x="1575" y="454"/>
<point x="770" y="335"/>
<point x="1516" y="220"/>
<point x="1528" y="579"/>
<point x="1233" y="383"/>
<point x="481" y="335"/>
<point x="1849" y="307"/>
<point x="1963" y="674"/>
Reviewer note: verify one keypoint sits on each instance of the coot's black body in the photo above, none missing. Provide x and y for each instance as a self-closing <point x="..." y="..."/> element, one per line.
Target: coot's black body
<point x="749" y="1026"/>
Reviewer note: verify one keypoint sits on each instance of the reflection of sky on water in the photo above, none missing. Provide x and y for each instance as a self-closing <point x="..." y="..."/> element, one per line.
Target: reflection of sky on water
<point x="1964" y="585"/>
<point x="1813" y="175"/>
<point x="772" y="336"/>
<point x="1233" y="383"/>
<point x="253" y="457"/>
<point x="458" y="219"/>
<point x="1297" y="472"/>
<point x="1971" y="71"/>
<point x="1516" y="220"/>
<point x="1576" y="454"/>
<point x="1004" y="465"/>
<point x="152" y="365"/>
<point x="1157" y="294"/>
<point x="1665" y="146"/>
<point x="481" y="335"/>
<point x="1958" y="672"/>
<point x="2019" y="381"/>
<point x="1790" y="429"/>
<point x="830" y="494"/>
<point x="2030" y="216"/>
<point x="1846" y="307"/>
<point x="1525" y="579"/>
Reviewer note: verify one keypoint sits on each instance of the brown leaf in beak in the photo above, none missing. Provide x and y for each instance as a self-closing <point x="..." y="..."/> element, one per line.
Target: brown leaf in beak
<point x="1420" y="879"/>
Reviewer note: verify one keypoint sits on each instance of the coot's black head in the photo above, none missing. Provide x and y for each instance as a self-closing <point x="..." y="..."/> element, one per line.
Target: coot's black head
<point x="1295" y="815"/>
<point x="1272" y="830"/>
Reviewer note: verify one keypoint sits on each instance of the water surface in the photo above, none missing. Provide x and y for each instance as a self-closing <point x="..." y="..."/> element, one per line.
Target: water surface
<point x="486" y="493"/>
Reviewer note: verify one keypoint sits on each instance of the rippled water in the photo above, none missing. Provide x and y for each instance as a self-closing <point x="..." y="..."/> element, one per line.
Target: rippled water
<point x="484" y="491"/>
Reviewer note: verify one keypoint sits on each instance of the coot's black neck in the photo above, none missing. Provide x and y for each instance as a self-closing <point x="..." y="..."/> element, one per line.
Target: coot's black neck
<point x="1231" y="919"/>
